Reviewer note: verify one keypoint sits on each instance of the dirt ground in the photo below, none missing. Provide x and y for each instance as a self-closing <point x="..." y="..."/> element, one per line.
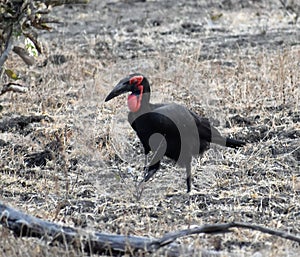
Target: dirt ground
<point x="66" y="156"/>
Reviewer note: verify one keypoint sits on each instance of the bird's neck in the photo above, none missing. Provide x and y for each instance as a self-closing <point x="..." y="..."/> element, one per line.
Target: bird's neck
<point x="145" y="104"/>
<point x="143" y="108"/>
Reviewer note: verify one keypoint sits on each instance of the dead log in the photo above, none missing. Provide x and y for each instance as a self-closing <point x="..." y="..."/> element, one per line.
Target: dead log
<point x="24" y="225"/>
<point x="95" y="242"/>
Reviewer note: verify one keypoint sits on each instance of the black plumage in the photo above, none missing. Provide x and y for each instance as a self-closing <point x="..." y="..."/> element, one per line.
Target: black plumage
<point x="167" y="129"/>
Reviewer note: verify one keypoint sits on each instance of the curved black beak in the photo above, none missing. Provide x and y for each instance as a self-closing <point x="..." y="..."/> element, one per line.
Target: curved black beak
<point x="121" y="88"/>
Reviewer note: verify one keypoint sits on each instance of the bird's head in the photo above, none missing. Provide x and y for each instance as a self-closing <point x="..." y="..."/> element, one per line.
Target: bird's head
<point x="139" y="87"/>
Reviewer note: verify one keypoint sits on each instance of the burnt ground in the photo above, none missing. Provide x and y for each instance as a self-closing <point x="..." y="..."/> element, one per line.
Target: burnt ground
<point x="68" y="157"/>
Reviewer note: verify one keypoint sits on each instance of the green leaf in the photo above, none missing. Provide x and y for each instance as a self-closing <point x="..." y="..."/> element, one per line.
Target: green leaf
<point x="11" y="74"/>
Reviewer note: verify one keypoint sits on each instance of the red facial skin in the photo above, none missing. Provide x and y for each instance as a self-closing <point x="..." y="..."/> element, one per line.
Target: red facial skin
<point x="134" y="101"/>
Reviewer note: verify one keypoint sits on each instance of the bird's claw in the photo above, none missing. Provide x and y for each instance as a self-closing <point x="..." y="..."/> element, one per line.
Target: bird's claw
<point x="148" y="174"/>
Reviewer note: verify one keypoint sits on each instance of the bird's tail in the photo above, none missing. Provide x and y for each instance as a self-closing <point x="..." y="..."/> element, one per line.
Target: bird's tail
<point x="233" y="143"/>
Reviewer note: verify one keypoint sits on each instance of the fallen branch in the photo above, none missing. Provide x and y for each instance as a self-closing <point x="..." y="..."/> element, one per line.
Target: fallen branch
<point x="224" y="228"/>
<point x="94" y="242"/>
<point x="13" y="87"/>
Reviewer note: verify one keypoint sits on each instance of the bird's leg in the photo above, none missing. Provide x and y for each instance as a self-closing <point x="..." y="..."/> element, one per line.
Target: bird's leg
<point x="157" y="155"/>
<point x="188" y="177"/>
<point x="150" y="171"/>
<point x="146" y="163"/>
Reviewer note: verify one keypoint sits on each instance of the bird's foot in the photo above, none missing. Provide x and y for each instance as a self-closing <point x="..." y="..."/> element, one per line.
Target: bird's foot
<point x="148" y="174"/>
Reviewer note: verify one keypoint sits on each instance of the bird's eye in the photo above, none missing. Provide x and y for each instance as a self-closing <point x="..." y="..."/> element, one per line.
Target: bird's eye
<point x="136" y="80"/>
<point x="133" y="81"/>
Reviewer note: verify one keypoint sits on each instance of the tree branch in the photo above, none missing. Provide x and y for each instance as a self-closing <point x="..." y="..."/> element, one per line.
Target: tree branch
<point x="14" y="87"/>
<point x="26" y="18"/>
<point x="29" y="60"/>
<point x="8" y="48"/>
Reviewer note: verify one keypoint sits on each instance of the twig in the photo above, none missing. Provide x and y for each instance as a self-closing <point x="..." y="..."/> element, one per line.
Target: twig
<point x="13" y="87"/>
<point x="267" y="231"/>
<point x="223" y="228"/>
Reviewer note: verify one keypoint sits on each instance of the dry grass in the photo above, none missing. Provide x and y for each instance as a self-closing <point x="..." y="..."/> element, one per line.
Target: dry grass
<point x="251" y="93"/>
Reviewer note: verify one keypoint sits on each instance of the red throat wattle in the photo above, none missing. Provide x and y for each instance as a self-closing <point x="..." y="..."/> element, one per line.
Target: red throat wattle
<point x="134" y="101"/>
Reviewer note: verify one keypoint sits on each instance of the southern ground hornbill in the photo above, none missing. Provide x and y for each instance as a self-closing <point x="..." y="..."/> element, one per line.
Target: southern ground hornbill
<point x="167" y="129"/>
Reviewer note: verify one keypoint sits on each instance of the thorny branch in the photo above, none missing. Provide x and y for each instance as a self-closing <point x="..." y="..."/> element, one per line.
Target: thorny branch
<point x="25" y="18"/>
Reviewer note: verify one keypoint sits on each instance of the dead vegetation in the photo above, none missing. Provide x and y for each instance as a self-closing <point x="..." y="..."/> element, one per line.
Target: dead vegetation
<point x="245" y="78"/>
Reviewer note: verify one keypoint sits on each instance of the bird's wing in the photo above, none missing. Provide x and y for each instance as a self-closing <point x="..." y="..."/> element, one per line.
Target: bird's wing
<point x="158" y="119"/>
<point x="173" y="118"/>
<point x="173" y="122"/>
<point x="207" y="131"/>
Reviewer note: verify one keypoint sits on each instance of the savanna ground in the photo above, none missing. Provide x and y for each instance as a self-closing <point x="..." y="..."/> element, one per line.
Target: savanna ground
<point x="241" y="69"/>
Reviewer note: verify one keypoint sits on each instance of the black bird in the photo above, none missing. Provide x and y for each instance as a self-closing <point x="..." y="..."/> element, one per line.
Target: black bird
<point x="167" y="129"/>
